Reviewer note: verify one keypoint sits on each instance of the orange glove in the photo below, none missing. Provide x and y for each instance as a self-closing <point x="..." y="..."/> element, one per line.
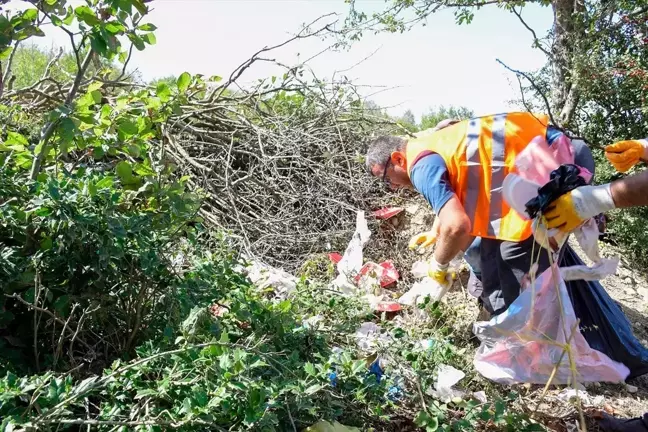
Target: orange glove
<point x="623" y="155"/>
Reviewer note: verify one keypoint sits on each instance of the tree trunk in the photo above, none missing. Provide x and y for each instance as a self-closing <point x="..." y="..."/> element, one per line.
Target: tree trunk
<point x="564" y="86"/>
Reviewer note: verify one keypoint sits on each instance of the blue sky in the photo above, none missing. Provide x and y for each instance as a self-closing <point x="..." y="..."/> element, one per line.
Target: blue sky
<point x="439" y="64"/>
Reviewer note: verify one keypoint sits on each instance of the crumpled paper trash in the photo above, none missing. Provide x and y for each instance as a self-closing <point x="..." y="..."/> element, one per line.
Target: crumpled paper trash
<point x="351" y="263"/>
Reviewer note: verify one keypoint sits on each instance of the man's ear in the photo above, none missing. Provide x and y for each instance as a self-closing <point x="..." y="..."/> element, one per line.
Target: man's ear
<point x="398" y="159"/>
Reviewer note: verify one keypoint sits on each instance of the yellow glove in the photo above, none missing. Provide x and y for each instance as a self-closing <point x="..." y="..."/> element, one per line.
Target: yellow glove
<point x="623" y="155"/>
<point x="423" y="240"/>
<point x="575" y="207"/>
<point x="439" y="272"/>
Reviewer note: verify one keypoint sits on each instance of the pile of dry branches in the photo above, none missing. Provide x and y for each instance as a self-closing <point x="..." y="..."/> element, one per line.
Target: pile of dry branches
<point x="283" y="168"/>
<point x="281" y="161"/>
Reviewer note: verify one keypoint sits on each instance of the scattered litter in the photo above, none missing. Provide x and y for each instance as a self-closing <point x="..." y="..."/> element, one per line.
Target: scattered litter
<point x="387" y="212"/>
<point x="631" y="388"/>
<point x="324" y="426"/>
<point x="480" y="396"/>
<point x="571" y="395"/>
<point x="427" y="344"/>
<point x="447" y="376"/>
<point x="335" y="257"/>
<point x="266" y="277"/>
<point x="385" y="272"/>
<point x="427" y="287"/>
<point x="369" y="336"/>
<point x="388" y="306"/>
<point x="395" y="391"/>
<point x="375" y="369"/>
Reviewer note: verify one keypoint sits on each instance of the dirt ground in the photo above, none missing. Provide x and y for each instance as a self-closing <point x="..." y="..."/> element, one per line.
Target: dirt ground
<point x="629" y="288"/>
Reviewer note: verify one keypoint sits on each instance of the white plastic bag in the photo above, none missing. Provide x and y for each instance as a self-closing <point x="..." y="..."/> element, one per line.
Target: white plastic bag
<point x="523" y="344"/>
<point x="351" y="262"/>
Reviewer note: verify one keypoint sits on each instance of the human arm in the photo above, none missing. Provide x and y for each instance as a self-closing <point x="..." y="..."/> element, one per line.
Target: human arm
<point x="452" y="226"/>
<point x="454" y="231"/>
<point x="575" y="207"/>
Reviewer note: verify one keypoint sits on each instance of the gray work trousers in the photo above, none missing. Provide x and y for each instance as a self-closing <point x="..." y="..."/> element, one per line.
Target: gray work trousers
<point x="503" y="265"/>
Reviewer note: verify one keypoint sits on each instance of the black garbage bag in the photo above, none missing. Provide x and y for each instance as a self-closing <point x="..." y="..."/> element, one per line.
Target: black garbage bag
<point x="612" y="424"/>
<point x="563" y="179"/>
<point x="602" y="322"/>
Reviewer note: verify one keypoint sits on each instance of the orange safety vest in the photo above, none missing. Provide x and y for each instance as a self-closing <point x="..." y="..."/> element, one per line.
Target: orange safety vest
<point x="479" y="153"/>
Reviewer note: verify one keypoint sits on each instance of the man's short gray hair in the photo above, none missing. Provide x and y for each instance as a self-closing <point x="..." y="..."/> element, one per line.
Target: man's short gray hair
<point x="380" y="149"/>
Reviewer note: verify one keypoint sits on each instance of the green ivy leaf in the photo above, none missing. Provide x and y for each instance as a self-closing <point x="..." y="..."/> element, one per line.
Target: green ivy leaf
<point x="14" y="138"/>
<point x="163" y="91"/>
<point x="310" y="369"/>
<point x="96" y="96"/>
<point x="87" y="15"/>
<point x="128" y="128"/>
<point x="114" y="28"/>
<point x="58" y="22"/>
<point x="6" y="31"/>
<point x="149" y="38"/>
<point x="69" y="18"/>
<point x="46" y="244"/>
<point x="140" y="6"/>
<point x="98" y="43"/>
<point x="147" y="27"/>
<point x="137" y="41"/>
<point x="144" y="170"/>
<point x="30" y="14"/>
<point x="134" y="151"/>
<point x="183" y="82"/>
<point x="124" y="171"/>
<point x="28" y="32"/>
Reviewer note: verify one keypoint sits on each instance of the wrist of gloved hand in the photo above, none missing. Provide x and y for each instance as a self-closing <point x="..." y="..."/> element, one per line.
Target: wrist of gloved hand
<point x="590" y="201"/>
<point x="644" y="143"/>
<point x="438" y="271"/>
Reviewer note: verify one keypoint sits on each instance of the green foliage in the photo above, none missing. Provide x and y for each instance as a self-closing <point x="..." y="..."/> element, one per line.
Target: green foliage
<point x="30" y="61"/>
<point x="434" y="116"/>
<point x="408" y="121"/>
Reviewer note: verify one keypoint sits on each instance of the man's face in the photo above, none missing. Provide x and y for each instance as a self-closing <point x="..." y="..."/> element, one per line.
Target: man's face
<point x="394" y="172"/>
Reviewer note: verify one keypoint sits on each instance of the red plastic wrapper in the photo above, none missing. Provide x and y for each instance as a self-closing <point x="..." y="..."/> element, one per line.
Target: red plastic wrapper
<point x="386" y="272"/>
<point x="387" y="212"/>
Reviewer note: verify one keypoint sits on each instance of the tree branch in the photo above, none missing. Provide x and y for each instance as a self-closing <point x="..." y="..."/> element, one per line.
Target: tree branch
<point x="49" y="129"/>
<point x="535" y="87"/>
<point x="536" y="40"/>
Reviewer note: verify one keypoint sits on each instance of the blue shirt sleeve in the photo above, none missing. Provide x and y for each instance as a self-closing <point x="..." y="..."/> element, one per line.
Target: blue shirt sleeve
<point x="429" y="176"/>
<point x="552" y="134"/>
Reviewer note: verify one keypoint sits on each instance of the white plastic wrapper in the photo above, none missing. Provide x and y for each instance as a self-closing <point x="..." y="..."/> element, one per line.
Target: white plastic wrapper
<point x="369" y="336"/>
<point x="351" y="262"/>
<point x="264" y="277"/>
<point x="447" y="378"/>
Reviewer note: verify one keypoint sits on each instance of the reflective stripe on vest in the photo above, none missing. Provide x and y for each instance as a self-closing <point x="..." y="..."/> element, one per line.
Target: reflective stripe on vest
<point x="479" y="153"/>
